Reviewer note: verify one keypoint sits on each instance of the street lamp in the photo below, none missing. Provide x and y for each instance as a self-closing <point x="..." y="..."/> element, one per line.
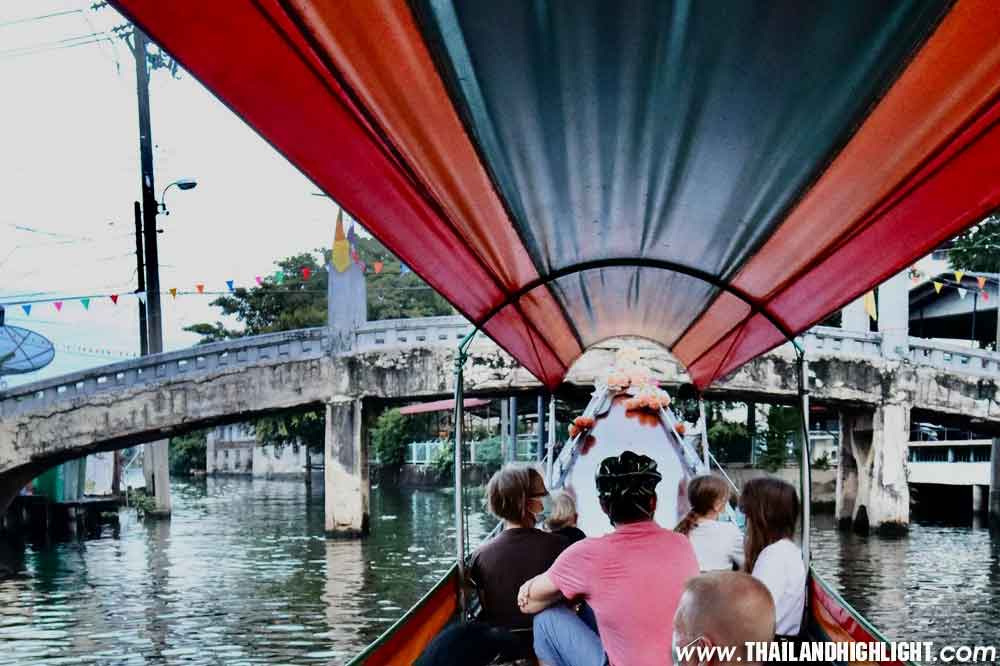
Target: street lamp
<point x="182" y="184"/>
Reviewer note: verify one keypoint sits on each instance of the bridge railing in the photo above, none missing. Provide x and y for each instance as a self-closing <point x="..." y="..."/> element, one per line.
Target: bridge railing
<point x="299" y="345"/>
<point x="954" y="358"/>
<point x="829" y="340"/>
<point x="423" y="331"/>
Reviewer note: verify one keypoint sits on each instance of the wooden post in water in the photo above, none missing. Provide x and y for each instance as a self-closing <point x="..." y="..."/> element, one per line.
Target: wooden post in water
<point x="995" y="484"/>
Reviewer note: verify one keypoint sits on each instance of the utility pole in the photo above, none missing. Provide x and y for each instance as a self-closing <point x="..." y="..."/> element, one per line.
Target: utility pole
<point x="140" y="271"/>
<point x="156" y="464"/>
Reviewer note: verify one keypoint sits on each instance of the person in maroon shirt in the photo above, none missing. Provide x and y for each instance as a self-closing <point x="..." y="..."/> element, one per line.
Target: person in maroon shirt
<point x="499" y="567"/>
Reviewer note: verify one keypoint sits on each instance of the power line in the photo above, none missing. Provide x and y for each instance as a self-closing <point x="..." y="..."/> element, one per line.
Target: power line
<point x="20" y="53"/>
<point x="41" y="17"/>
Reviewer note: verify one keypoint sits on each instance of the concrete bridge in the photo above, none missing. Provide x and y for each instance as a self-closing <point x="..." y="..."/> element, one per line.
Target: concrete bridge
<point x="150" y="398"/>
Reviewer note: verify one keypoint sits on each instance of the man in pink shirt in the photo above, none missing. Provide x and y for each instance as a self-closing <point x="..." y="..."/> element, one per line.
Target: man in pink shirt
<point x="632" y="580"/>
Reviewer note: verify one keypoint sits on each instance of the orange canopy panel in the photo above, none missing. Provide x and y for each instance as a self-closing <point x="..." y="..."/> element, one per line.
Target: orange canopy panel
<point x="441" y="406"/>
<point x="716" y="177"/>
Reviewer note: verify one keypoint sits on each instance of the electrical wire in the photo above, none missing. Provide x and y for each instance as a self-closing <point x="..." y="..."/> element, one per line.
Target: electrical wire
<point x="41" y="17"/>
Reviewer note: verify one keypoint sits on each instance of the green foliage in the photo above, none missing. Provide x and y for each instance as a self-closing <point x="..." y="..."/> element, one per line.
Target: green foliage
<point x="306" y="427"/>
<point x="977" y="249"/>
<point x="295" y="302"/>
<point x="782" y="428"/>
<point x="143" y="504"/>
<point x="393" y="432"/>
<point x="444" y="462"/>
<point x="488" y="453"/>
<point x="729" y="442"/>
<point x="822" y="462"/>
<point x="187" y="452"/>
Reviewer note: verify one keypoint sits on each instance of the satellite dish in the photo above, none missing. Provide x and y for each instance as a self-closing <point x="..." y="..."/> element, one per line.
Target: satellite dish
<point x="22" y="350"/>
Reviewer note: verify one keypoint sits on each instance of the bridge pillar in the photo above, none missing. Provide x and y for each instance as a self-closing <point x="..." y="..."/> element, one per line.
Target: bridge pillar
<point x="995" y="484"/>
<point x="894" y="315"/>
<point x="156" y="470"/>
<point x="345" y="470"/>
<point x="853" y="316"/>
<point x="877" y="444"/>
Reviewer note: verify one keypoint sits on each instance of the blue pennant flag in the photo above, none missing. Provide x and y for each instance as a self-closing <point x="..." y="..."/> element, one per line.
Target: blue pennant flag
<point x="229" y="283"/>
<point x="27" y="310"/>
<point x="403" y="269"/>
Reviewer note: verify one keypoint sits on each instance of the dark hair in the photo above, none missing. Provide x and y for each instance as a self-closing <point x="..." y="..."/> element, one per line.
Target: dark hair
<point x="626" y="487"/>
<point x="704" y="492"/>
<point x="508" y="492"/>
<point x="772" y="509"/>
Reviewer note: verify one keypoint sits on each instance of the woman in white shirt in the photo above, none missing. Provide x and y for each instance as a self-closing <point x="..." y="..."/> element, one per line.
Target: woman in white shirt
<point x="717" y="545"/>
<point x="772" y="510"/>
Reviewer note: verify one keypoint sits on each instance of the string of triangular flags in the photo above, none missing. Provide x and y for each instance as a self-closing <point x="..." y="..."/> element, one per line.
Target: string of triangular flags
<point x="958" y="284"/>
<point x="345" y="252"/>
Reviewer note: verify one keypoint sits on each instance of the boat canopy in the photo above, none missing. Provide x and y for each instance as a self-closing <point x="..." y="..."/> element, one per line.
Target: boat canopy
<point x="713" y="176"/>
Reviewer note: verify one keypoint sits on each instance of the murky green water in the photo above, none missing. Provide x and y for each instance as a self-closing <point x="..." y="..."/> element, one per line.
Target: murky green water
<point x="243" y="575"/>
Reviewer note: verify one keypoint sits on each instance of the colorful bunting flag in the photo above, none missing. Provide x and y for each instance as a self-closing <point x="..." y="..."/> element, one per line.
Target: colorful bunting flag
<point x="58" y="305"/>
<point x="378" y="266"/>
<point x="354" y="255"/>
<point x="363" y="266"/>
<point x="982" y="282"/>
<point x="404" y="269"/>
<point x="27" y="309"/>
<point x="279" y="277"/>
<point x="173" y="292"/>
<point x="200" y="287"/>
<point x="962" y="292"/>
<point x="958" y="276"/>
<point x="85" y="302"/>
<point x="259" y="280"/>
<point x="114" y="298"/>
<point x="141" y="295"/>
<point x="870" y="305"/>
<point x="229" y="284"/>
<point x="306" y="273"/>
<point x="986" y="295"/>
<point x="351" y="237"/>
<point x="341" y="257"/>
<point x="938" y="286"/>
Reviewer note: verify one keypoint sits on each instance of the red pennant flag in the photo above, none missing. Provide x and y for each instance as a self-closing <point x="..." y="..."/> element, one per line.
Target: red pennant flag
<point x="58" y="305"/>
<point x="114" y="298"/>
<point x="378" y="266"/>
<point x="986" y="295"/>
<point x="306" y="273"/>
<point x="200" y="287"/>
<point x="982" y="282"/>
<point x="259" y="280"/>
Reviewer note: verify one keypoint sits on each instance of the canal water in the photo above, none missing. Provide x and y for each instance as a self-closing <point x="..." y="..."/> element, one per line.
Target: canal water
<point x="243" y="575"/>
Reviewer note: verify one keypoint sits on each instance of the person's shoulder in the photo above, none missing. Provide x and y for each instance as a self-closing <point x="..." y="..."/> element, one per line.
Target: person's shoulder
<point x="784" y="550"/>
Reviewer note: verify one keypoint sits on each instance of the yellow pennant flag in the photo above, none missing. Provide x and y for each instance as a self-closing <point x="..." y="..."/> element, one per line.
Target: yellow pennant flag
<point x="982" y="282"/>
<point x="173" y="292"/>
<point x="870" y="305"/>
<point x="958" y="276"/>
<point x="938" y="286"/>
<point x="341" y="258"/>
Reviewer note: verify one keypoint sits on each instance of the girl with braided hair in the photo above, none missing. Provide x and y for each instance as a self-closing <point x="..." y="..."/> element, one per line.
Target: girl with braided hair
<point x="630" y="579"/>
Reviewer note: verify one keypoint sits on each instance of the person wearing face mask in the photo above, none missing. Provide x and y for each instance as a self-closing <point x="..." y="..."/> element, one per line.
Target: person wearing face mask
<point x="630" y="579"/>
<point x="722" y="609"/>
<point x="498" y="568"/>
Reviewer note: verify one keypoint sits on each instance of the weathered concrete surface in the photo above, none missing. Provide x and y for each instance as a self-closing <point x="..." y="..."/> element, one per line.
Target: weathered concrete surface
<point x="873" y="465"/>
<point x="347" y="488"/>
<point x="35" y="435"/>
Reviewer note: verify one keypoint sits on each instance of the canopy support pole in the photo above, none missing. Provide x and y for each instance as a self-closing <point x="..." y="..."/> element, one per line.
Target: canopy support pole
<point x="460" y="359"/>
<point x="706" y="456"/>
<point x="805" y="476"/>
<point x="550" y="459"/>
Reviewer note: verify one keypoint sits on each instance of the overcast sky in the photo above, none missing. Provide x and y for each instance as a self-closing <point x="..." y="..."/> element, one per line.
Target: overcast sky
<point x="69" y="172"/>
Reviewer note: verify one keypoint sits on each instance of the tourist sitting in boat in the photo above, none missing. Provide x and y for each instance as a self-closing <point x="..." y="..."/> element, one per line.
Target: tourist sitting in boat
<point x="723" y="609"/>
<point x="772" y="509"/>
<point x="499" y="567"/>
<point x="562" y="521"/>
<point x="632" y="579"/>
<point x="718" y="545"/>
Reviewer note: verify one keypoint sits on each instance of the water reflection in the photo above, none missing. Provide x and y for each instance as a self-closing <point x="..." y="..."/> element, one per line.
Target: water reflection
<point x="938" y="583"/>
<point x="242" y="574"/>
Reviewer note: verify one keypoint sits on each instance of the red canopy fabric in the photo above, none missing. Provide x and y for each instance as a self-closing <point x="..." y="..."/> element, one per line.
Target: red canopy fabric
<point x="441" y="406"/>
<point x="715" y="180"/>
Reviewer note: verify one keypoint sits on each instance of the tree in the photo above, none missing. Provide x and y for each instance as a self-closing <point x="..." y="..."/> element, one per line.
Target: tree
<point x="295" y="297"/>
<point x="977" y="249"/>
<point x="187" y="452"/>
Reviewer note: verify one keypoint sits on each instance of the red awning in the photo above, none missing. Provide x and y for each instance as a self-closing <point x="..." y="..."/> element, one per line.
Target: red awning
<point x="715" y="177"/>
<point x="441" y="406"/>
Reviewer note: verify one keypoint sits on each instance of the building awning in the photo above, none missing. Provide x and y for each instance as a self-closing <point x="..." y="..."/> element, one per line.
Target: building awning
<point x="441" y="406"/>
